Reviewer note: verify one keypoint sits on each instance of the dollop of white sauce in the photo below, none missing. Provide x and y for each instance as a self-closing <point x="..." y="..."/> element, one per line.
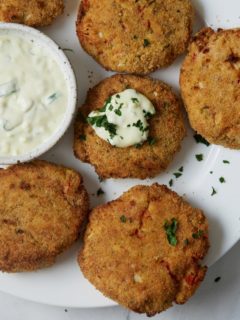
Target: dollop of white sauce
<point x="123" y="121"/>
<point x="33" y="95"/>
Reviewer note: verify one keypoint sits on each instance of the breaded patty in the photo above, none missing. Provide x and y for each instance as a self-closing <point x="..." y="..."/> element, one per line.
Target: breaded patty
<point x="210" y="85"/>
<point x="42" y="207"/>
<point x="32" y="12"/>
<point x="134" y="36"/>
<point x="166" y="128"/>
<point x="143" y="249"/>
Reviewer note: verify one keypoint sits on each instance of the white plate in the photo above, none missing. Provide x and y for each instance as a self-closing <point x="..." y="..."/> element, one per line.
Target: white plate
<point x="63" y="284"/>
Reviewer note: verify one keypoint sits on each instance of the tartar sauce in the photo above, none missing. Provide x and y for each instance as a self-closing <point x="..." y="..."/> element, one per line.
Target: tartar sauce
<point x="123" y="120"/>
<point x="33" y="95"/>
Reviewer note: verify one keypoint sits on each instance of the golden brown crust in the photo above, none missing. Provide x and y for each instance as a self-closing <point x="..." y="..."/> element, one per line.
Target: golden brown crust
<point x="210" y="85"/>
<point x="42" y="207"/>
<point x="134" y="36"/>
<point x="166" y="127"/>
<point x="34" y="13"/>
<point x="131" y="261"/>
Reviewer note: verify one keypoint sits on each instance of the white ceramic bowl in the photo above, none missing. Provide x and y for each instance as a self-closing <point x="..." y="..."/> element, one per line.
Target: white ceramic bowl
<point x="64" y="64"/>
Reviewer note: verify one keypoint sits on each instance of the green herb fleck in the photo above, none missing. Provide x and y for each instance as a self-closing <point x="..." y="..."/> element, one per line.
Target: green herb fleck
<point x="139" y="125"/>
<point x="171" y="228"/>
<point x="82" y="137"/>
<point x="226" y="161"/>
<point x="146" y="43"/>
<point x="123" y="219"/>
<point x="198" y="234"/>
<point x="177" y="175"/>
<point x="118" y="96"/>
<point x="135" y="100"/>
<point x="100" y="192"/>
<point x="213" y="192"/>
<point x="170" y="182"/>
<point x="180" y="169"/>
<point x="217" y="279"/>
<point x="211" y="172"/>
<point x="101" y="121"/>
<point x="151" y="141"/>
<point x="199" y="157"/>
<point x="200" y="139"/>
<point x="186" y="242"/>
<point x="128" y="126"/>
<point x="138" y="145"/>
<point x="222" y="180"/>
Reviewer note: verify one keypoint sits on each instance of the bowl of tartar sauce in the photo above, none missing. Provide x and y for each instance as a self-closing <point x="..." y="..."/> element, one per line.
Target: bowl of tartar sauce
<point x="37" y="93"/>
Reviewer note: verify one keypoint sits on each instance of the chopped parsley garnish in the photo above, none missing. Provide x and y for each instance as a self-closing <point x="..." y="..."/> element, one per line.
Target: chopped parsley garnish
<point x="101" y="121"/>
<point x="138" y="145"/>
<point x="170" y="182"/>
<point x="222" y="180"/>
<point x="177" y="174"/>
<point x="118" y="110"/>
<point x="226" y="161"/>
<point x="186" y="242"/>
<point x="100" y="192"/>
<point x="151" y="141"/>
<point x="128" y="126"/>
<point x="180" y="169"/>
<point x="107" y="102"/>
<point x="213" y="192"/>
<point x="200" y="139"/>
<point x="199" y="157"/>
<point x="135" y="100"/>
<point x="211" y="172"/>
<point x="197" y="235"/>
<point x="82" y="137"/>
<point x="118" y="96"/>
<point x="146" y="43"/>
<point x="123" y="219"/>
<point x="171" y="228"/>
<point x="217" y="279"/>
<point x="139" y="125"/>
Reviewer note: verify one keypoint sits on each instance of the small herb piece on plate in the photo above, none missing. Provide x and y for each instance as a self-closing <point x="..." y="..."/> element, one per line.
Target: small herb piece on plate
<point x="186" y="242"/>
<point x="217" y="279"/>
<point x="171" y="183"/>
<point x="213" y="192"/>
<point x="222" y="180"/>
<point x="171" y="228"/>
<point x="226" y="161"/>
<point x="199" y="157"/>
<point x="199" y="139"/>
<point x="180" y="169"/>
<point x="177" y="174"/>
<point x="100" y="192"/>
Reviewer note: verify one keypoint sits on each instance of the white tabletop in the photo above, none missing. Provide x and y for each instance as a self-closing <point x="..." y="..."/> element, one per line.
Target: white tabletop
<point x="214" y="300"/>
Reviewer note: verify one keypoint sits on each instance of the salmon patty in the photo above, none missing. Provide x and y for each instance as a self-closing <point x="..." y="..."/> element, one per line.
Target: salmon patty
<point x="210" y="85"/>
<point x="166" y="129"/>
<point x="134" y="36"/>
<point x="143" y="249"/>
<point x="42" y="207"/>
<point x="33" y="13"/>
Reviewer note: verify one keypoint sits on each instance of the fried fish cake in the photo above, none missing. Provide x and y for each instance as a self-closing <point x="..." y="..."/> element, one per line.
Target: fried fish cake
<point x="166" y="128"/>
<point x="42" y="207"/>
<point x="210" y="86"/>
<point x="143" y="249"/>
<point x="34" y="13"/>
<point x="134" y="36"/>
